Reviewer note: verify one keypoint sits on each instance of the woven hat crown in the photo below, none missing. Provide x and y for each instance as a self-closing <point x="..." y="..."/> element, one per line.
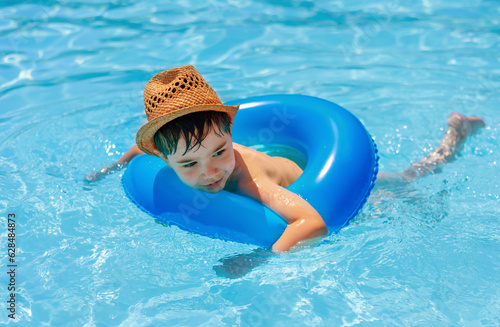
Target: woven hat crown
<point x="174" y="93"/>
<point x="171" y="90"/>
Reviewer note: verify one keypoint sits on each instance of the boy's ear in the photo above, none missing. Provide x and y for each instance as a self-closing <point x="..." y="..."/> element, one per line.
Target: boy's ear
<point x="159" y="154"/>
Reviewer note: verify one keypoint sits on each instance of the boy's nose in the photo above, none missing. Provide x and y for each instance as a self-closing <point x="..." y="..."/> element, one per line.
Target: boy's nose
<point x="210" y="171"/>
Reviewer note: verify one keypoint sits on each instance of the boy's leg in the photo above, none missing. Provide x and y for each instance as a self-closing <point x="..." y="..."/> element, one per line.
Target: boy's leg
<point x="459" y="127"/>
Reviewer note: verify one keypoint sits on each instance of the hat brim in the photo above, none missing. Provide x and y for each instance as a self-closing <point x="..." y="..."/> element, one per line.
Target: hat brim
<point x="145" y="135"/>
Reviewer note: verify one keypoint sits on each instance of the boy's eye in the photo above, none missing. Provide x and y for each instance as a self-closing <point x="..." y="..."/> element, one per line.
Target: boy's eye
<point x="218" y="153"/>
<point x="191" y="164"/>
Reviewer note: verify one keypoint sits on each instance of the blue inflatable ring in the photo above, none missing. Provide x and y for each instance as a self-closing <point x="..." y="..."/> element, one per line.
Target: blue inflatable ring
<point x="342" y="165"/>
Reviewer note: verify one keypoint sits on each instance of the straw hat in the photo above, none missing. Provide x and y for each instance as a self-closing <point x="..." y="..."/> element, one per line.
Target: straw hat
<point x="173" y="93"/>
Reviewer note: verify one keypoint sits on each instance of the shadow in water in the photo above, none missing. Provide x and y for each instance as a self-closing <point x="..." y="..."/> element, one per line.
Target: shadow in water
<point x="239" y="265"/>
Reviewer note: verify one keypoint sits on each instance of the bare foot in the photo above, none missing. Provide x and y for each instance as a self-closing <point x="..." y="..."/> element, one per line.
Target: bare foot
<point x="464" y="125"/>
<point x="476" y="123"/>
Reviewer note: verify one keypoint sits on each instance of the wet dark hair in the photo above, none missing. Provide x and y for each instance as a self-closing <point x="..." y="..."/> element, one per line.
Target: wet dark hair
<point x="193" y="127"/>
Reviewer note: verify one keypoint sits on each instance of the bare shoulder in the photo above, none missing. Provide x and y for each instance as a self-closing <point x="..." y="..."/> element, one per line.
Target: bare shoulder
<point x="255" y="164"/>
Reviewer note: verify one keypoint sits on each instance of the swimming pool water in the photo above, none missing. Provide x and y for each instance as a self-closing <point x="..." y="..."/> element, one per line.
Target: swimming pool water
<point x="419" y="254"/>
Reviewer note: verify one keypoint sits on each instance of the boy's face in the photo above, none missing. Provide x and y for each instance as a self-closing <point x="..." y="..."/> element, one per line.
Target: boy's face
<point x="206" y="167"/>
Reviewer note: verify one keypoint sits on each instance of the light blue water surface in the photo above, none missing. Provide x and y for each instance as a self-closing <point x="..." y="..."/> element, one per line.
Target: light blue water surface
<point x="419" y="254"/>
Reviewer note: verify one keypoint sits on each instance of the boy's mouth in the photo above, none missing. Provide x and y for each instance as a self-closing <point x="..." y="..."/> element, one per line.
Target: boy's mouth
<point x="214" y="184"/>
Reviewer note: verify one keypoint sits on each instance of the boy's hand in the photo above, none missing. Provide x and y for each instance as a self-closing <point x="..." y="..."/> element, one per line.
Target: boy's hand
<point x="304" y="222"/>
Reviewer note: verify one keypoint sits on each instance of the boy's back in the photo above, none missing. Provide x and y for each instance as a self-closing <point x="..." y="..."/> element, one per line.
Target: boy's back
<point x="280" y="171"/>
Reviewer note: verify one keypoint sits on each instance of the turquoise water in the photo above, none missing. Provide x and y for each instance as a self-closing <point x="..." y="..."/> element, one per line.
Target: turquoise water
<point x="419" y="254"/>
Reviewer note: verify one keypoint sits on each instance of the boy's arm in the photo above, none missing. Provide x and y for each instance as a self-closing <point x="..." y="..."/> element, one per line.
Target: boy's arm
<point x="134" y="151"/>
<point x="304" y="222"/>
<point x="122" y="162"/>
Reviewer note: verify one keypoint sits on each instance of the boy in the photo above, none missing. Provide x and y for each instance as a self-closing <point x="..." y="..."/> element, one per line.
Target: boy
<point x="190" y="129"/>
